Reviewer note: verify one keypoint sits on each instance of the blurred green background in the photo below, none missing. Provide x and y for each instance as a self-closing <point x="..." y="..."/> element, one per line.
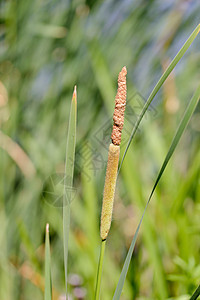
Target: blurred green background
<point x="48" y="46"/>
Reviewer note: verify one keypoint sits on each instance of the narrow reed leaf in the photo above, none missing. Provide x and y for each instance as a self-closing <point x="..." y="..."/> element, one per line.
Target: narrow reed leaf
<point x="68" y="178"/>
<point x="48" y="286"/>
<point x="196" y="294"/>
<point x="159" y="84"/>
<point x="188" y="113"/>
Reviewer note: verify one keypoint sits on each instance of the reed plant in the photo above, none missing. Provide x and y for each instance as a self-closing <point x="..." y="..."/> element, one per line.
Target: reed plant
<point x="46" y="47"/>
<point x="112" y="172"/>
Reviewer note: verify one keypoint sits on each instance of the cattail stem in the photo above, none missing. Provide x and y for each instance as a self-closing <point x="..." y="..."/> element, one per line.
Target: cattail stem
<point x="99" y="272"/>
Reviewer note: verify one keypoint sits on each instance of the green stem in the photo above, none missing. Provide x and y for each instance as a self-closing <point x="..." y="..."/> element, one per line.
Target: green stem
<point x="196" y="294"/>
<point x="99" y="272"/>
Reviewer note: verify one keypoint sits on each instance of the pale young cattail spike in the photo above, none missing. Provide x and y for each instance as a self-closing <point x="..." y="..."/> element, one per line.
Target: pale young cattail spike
<point x="113" y="155"/>
<point x="109" y="189"/>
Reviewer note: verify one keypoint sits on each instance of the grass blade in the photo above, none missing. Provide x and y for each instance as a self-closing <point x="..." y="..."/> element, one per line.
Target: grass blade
<point x="159" y="84"/>
<point x="68" y="178"/>
<point x="188" y="113"/>
<point x="48" y="286"/>
<point x="196" y="294"/>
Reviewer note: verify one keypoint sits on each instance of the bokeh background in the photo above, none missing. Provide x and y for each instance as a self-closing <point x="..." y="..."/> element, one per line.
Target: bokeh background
<point x="48" y="46"/>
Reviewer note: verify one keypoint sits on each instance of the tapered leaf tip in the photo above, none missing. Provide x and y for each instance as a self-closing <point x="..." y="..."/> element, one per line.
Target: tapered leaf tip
<point x="74" y="97"/>
<point x="47" y="228"/>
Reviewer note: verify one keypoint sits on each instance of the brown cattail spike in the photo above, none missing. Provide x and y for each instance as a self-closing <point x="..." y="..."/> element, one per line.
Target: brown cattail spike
<point x="120" y="104"/>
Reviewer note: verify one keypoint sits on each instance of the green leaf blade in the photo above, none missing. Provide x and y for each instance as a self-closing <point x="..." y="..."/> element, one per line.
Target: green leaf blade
<point x="68" y="178"/>
<point x="48" y="284"/>
<point x="196" y="294"/>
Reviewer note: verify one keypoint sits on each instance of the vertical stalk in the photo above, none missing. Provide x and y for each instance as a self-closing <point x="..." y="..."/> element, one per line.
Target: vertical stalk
<point x="196" y="294"/>
<point x="48" y="284"/>
<point x="99" y="272"/>
<point x="68" y="180"/>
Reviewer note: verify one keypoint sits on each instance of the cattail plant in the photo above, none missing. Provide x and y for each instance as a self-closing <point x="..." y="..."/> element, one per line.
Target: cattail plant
<point x="113" y="155"/>
<point x="112" y="171"/>
<point x="112" y="168"/>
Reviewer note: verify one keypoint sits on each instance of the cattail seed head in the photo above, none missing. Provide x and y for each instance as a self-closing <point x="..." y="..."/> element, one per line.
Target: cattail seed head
<point x="120" y="104"/>
<point x="113" y="155"/>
